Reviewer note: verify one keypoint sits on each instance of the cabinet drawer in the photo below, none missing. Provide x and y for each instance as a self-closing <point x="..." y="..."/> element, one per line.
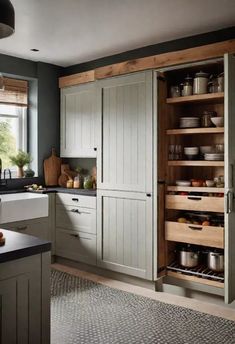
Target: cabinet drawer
<point x="77" y="200"/>
<point x="38" y="228"/>
<point x="200" y="203"/>
<point x="194" y="234"/>
<point x="76" y="218"/>
<point x="76" y="246"/>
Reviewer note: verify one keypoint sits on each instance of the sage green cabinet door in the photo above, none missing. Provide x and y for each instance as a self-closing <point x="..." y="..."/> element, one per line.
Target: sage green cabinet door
<point x="78" y="121"/>
<point x="125" y="233"/>
<point x="125" y="109"/>
<point x="229" y="120"/>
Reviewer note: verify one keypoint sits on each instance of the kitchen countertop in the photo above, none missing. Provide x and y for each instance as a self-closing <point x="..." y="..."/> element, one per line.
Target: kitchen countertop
<point x="20" y="245"/>
<point x="84" y="192"/>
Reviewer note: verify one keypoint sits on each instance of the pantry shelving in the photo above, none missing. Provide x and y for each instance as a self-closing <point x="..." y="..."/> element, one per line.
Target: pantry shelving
<point x="205" y="98"/>
<point x="192" y="131"/>
<point x="195" y="163"/>
<point x="194" y="189"/>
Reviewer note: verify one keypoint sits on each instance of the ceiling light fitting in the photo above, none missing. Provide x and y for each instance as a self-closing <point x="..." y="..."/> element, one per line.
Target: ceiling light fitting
<point x="7" y="18"/>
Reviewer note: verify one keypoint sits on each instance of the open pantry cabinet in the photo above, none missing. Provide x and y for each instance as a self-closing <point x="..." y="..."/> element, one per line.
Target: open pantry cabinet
<point x="198" y="218"/>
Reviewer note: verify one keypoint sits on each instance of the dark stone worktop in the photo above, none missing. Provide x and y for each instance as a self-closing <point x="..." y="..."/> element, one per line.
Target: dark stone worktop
<point x="84" y="192"/>
<point x="20" y="245"/>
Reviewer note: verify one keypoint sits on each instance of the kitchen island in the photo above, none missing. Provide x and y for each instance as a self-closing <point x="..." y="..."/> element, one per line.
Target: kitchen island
<point x="24" y="289"/>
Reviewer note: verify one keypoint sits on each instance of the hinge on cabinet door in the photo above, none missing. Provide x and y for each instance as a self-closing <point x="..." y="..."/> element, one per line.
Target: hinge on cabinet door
<point x="161" y="78"/>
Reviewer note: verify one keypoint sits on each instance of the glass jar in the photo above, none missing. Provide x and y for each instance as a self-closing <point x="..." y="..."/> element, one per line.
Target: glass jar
<point x="187" y="86"/>
<point x="88" y="183"/>
<point x="175" y="91"/>
<point x="206" y="118"/>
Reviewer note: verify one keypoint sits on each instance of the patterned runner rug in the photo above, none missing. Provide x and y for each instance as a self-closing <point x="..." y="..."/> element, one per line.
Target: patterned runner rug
<point x="84" y="312"/>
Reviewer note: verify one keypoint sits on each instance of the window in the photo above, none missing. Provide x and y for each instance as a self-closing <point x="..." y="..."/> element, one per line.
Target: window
<point x="13" y="132"/>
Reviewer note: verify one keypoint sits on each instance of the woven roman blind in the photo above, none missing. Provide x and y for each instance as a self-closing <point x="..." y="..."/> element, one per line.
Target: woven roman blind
<point x="15" y="92"/>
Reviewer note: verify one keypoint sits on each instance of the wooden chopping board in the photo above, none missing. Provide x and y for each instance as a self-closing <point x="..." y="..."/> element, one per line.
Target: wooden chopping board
<point x="52" y="168"/>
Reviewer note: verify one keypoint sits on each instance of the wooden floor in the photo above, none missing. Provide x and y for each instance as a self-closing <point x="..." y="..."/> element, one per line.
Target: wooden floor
<point x="164" y="297"/>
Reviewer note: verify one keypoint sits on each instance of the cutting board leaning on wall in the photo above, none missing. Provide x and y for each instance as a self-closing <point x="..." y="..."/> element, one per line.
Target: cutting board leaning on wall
<point x="52" y="168"/>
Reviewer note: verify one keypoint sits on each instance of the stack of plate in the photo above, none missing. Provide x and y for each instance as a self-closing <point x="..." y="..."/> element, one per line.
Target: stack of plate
<point x="214" y="156"/>
<point x="189" y="122"/>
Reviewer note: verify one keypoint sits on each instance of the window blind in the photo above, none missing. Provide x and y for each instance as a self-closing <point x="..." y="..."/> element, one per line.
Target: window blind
<point x="15" y="92"/>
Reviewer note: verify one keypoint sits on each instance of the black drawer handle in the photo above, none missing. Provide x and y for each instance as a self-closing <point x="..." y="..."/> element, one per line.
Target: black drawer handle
<point x="95" y="149"/>
<point x="75" y="199"/>
<point x="194" y="198"/>
<point x="148" y="194"/>
<point x="23" y="228"/>
<point x="75" y="211"/>
<point x="74" y="236"/>
<point x="195" y="228"/>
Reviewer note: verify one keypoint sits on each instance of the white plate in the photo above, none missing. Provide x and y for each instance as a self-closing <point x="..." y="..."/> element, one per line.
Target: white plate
<point x="182" y="183"/>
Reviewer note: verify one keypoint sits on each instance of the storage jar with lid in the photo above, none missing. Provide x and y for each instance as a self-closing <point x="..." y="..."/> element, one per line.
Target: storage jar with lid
<point x="200" y="83"/>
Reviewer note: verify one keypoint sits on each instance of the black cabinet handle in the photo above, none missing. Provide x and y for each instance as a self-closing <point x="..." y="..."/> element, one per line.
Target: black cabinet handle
<point x="148" y="194"/>
<point x="195" y="228"/>
<point x="75" y="199"/>
<point x="74" y="235"/>
<point x="95" y="149"/>
<point x="195" y="198"/>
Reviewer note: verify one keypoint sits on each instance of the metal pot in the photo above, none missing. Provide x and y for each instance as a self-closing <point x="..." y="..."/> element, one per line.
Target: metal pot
<point x="200" y="83"/>
<point x="215" y="261"/>
<point x="188" y="258"/>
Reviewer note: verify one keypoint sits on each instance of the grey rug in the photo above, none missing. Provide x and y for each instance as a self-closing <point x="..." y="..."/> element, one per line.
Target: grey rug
<point x="85" y="312"/>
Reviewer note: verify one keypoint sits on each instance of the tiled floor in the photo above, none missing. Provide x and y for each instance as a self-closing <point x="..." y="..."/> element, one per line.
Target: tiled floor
<point x="164" y="297"/>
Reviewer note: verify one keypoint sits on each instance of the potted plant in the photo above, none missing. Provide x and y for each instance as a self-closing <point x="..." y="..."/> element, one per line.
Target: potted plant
<point x="20" y="160"/>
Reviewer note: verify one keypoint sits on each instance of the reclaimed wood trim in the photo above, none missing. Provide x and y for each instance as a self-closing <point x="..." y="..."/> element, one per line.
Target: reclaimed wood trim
<point x="76" y="79"/>
<point x="199" y="53"/>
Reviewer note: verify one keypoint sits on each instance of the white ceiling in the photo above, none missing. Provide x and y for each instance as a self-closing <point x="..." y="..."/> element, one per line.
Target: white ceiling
<point x="73" y="31"/>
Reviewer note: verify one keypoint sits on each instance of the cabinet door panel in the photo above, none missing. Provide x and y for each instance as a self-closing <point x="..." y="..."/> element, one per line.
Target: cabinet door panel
<point x="229" y="114"/>
<point x="124" y="233"/>
<point x="125" y="145"/>
<point x="78" y="121"/>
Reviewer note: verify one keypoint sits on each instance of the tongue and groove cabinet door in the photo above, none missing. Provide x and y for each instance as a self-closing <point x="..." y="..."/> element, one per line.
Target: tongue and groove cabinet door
<point x="229" y="113"/>
<point x="125" y="233"/>
<point x="78" y="122"/>
<point x="125" y="109"/>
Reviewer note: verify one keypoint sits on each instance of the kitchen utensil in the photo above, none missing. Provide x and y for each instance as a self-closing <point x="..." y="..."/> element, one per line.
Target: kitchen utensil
<point x="189" y="122"/>
<point x="206" y="118"/>
<point x="200" y="83"/>
<point x="182" y="183"/>
<point x="187" y="86"/>
<point x="188" y="257"/>
<point x="205" y="149"/>
<point x="218" y="121"/>
<point x="52" y="168"/>
<point x="175" y="91"/>
<point x="215" y="261"/>
<point x="210" y="183"/>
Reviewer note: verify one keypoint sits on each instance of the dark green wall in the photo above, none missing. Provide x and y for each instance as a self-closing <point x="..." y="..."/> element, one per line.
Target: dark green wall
<point x="44" y="99"/>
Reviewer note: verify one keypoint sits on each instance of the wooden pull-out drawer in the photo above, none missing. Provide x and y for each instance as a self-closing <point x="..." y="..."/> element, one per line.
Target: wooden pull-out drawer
<point x="194" y="234"/>
<point x="199" y="203"/>
<point x="77" y="200"/>
<point x="76" y="218"/>
<point x="76" y="246"/>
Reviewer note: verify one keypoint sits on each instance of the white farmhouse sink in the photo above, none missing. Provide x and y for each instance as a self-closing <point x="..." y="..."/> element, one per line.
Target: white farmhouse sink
<point x="22" y="206"/>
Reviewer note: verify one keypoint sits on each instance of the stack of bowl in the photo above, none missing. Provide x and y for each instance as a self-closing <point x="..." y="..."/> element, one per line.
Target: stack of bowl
<point x="191" y="153"/>
<point x="189" y="122"/>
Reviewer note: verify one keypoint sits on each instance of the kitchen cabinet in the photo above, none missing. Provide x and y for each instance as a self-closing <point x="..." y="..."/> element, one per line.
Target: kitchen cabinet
<point x="25" y="300"/>
<point x="181" y="207"/>
<point x="76" y="227"/>
<point x="125" y="150"/>
<point x="78" y="122"/>
<point x="125" y="233"/>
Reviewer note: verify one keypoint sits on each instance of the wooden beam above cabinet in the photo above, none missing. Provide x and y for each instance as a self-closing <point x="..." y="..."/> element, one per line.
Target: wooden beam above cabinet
<point x="200" y="53"/>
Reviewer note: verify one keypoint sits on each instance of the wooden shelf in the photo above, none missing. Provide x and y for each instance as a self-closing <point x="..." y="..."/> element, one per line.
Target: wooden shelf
<point x="195" y="279"/>
<point x="194" y="189"/>
<point x="206" y="98"/>
<point x="195" y="163"/>
<point x="190" y="131"/>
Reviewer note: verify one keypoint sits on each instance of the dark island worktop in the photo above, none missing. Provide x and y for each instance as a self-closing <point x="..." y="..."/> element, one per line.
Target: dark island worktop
<point x="20" y="245"/>
<point x="83" y="192"/>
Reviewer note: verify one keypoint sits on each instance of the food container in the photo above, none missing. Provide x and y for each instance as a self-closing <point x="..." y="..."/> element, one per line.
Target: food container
<point x="215" y="261"/>
<point x="187" y="86"/>
<point x="88" y="183"/>
<point x="206" y="118"/>
<point x="175" y="91"/>
<point x="200" y="83"/>
<point x="69" y="184"/>
<point x="220" y="79"/>
<point x="188" y="257"/>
